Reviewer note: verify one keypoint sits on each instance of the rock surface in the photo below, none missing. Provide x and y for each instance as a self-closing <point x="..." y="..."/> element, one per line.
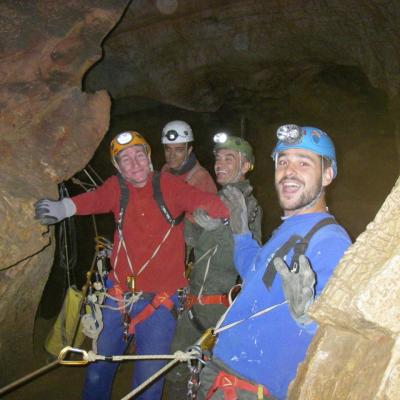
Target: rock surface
<point x="49" y="130"/>
<point x="356" y="354"/>
<point x="334" y="64"/>
<point x="202" y="54"/>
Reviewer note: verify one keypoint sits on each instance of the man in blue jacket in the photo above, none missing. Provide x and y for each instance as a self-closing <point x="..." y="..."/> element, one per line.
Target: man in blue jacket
<point x="266" y="332"/>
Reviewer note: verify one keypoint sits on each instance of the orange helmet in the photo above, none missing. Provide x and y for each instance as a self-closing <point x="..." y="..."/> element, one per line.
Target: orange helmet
<point x="127" y="139"/>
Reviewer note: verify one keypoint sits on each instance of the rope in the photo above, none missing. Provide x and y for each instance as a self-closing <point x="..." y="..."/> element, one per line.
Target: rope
<point x="149" y="380"/>
<point x="217" y="328"/>
<point x="213" y="251"/>
<point x="180" y="356"/>
<point x="95" y="173"/>
<point x="143" y="267"/>
<point x="28" y="377"/>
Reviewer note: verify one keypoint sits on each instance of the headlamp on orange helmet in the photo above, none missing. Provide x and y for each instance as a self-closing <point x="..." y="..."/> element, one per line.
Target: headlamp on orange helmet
<point x="124" y="140"/>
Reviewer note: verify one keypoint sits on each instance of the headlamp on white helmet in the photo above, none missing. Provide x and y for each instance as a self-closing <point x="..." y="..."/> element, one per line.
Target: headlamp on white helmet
<point x="177" y="132"/>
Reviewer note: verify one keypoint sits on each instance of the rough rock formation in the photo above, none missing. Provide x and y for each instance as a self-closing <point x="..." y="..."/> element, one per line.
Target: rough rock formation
<point x="356" y="353"/>
<point x="49" y="130"/>
<point x="208" y="52"/>
<point x="333" y="64"/>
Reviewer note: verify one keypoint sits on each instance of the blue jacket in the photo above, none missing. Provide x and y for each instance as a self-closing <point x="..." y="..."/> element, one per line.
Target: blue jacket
<point x="267" y="349"/>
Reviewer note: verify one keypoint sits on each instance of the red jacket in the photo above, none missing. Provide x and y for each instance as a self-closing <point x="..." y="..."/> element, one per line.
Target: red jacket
<point x="145" y="227"/>
<point x="198" y="177"/>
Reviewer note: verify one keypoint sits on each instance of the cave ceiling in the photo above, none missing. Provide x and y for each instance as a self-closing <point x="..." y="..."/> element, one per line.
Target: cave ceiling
<point x="201" y="55"/>
<point x="293" y="60"/>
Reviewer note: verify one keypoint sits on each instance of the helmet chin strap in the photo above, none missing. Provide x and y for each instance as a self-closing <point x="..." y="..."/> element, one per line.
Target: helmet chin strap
<point x="239" y="171"/>
<point x="186" y="156"/>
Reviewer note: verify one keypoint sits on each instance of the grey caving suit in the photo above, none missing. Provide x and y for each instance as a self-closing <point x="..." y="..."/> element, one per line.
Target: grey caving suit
<point x="213" y="250"/>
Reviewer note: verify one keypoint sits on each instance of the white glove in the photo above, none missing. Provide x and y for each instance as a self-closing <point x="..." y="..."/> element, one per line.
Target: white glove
<point x="49" y="212"/>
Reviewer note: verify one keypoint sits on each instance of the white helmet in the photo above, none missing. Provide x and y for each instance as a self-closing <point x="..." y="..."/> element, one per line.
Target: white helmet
<point x="177" y="132"/>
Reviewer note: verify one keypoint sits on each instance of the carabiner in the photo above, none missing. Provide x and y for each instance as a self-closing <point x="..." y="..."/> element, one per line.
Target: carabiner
<point x="69" y="349"/>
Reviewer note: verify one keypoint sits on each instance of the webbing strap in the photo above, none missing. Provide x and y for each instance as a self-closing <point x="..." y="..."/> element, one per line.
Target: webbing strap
<point x="159" y="299"/>
<point x="229" y="383"/>
<point x="270" y="273"/>
<point x="158" y="197"/>
<point x="206" y="299"/>
<point x="299" y="244"/>
<point x="123" y="199"/>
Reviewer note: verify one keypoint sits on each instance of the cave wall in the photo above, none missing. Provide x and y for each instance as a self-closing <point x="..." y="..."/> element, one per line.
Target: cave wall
<point x="49" y="130"/>
<point x="355" y="354"/>
<point x="334" y="65"/>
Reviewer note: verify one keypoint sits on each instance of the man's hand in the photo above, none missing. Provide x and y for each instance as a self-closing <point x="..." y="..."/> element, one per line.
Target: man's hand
<point x="234" y="200"/>
<point x="206" y="222"/>
<point x="49" y="212"/>
<point x="298" y="287"/>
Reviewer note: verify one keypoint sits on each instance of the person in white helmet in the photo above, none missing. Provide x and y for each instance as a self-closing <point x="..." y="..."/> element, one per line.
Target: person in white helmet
<point x="177" y="138"/>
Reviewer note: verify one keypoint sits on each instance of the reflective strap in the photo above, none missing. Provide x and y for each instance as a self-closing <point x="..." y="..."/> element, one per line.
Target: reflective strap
<point x="206" y="299"/>
<point x="118" y="294"/>
<point x="229" y="383"/>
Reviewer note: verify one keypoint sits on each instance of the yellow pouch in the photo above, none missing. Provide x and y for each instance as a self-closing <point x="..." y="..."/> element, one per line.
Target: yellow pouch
<point x="63" y="330"/>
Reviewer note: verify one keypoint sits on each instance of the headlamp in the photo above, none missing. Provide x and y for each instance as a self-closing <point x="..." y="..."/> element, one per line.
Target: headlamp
<point x="124" y="138"/>
<point x="290" y="134"/>
<point x="171" y="135"/>
<point x="221" y="137"/>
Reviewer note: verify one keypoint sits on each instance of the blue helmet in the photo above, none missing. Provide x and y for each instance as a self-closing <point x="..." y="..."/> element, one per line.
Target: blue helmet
<point x="308" y="138"/>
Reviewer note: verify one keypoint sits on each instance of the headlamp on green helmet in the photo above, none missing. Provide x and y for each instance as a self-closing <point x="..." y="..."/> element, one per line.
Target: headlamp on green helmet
<point x="224" y="141"/>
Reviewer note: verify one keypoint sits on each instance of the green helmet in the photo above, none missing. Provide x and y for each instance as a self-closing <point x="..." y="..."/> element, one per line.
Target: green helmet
<point x="223" y="141"/>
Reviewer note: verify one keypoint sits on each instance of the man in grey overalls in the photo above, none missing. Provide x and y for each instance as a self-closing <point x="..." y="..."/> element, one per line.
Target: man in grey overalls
<point x="213" y="273"/>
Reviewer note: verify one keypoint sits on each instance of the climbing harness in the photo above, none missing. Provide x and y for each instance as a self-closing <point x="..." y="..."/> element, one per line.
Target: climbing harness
<point x="299" y="244"/>
<point x="160" y="298"/>
<point x="124" y="198"/>
<point x="228" y="383"/>
<point x="158" y="197"/>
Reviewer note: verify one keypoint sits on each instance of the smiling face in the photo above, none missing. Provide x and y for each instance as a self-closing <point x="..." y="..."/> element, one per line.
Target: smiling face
<point x="230" y="166"/>
<point x="299" y="181"/>
<point x="176" y="154"/>
<point x="134" y="165"/>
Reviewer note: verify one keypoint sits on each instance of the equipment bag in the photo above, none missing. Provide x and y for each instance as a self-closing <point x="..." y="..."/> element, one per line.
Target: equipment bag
<point x="65" y="331"/>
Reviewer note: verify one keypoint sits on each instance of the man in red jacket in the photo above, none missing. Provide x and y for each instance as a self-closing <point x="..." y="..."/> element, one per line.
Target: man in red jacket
<point x="147" y="258"/>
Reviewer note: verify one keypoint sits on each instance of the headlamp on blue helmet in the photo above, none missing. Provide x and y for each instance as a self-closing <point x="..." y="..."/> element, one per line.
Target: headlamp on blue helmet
<point x="290" y="134"/>
<point x="305" y="137"/>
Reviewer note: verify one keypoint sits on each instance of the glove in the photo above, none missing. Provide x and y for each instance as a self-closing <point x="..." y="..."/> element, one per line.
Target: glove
<point x="50" y="212"/>
<point x="206" y="222"/>
<point x="234" y="200"/>
<point x="298" y="287"/>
